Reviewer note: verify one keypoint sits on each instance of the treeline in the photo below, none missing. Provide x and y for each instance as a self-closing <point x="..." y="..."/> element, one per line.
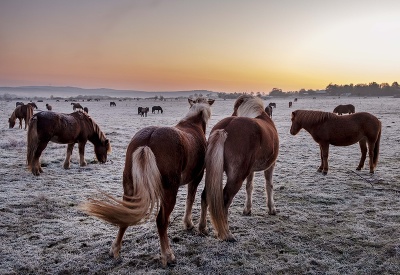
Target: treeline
<point x="371" y="89"/>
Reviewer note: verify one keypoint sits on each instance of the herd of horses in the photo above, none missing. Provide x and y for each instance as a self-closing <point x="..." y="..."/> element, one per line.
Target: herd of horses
<point x="161" y="159"/>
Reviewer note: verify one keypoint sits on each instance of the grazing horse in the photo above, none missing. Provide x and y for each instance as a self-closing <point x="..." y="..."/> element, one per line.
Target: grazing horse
<point x="112" y="104"/>
<point x="142" y="111"/>
<point x="344" y="109"/>
<point x="48" y="106"/>
<point x="86" y="109"/>
<point x="76" y="106"/>
<point x="158" y="161"/>
<point x="272" y="104"/>
<point x="327" y="128"/>
<point x="77" y="127"/>
<point x="33" y="104"/>
<point x="156" y="108"/>
<point x="22" y="112"/>
<point x="268" y="110"/>
<point x="238" y="145"/>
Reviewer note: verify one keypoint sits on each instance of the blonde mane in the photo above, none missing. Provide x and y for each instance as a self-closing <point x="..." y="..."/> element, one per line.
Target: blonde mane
<point x="199" y="105"/>
<point x="249" y="106"/>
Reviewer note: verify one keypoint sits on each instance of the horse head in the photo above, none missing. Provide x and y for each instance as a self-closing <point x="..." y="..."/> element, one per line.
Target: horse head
<point x="296" y="126"/>
<point x="11" y="122"/>
<point x="101" y="150"/>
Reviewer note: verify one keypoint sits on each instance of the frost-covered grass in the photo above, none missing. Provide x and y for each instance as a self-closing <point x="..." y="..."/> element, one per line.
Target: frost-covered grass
<point x="342" y="223"/>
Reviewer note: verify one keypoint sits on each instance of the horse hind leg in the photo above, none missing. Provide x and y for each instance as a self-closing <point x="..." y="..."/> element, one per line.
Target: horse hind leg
<point x="117" y="244"/>
<point x="249" y="193"/>
<point x="363" y="147"/>
<point x="36" y="167"/>
<point x="67" y="161"/>
<point x="203" y="214"/>
<point x="371" y="152"/>
<point x="270" y="191"/>
<point x="192" y="188"/>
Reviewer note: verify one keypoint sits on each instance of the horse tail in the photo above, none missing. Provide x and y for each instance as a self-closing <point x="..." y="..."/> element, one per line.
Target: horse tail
<point x="32" y="141"/>
<point x="376" y="148"/>
<point x="29" y="115"/>
<point x="213" y="183"/>
<point x="145" y="180"/>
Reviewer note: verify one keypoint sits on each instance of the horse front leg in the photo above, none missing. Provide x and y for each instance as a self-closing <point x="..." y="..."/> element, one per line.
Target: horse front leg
<point x="321" y="167"/>
<point x="203" y="214"/>
<point x="167" y="205"/>
<point x="269" y="187"/>
<point x="20" y="123"/>
<point x="67" y="161"/>
<point x="249" y="193"/>
<point x="363" y="147"/>
<point x="81" y="146"/>
<point x="324" y="156"/>
<point x="191" y="195"/>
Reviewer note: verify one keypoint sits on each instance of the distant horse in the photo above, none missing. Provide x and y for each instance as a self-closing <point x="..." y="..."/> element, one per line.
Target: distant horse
<point x="48" y="106"/>
<point x="344" y="109"/>
<point x="33" y="104"/>
<point x="238" y="145"/>
<point x="295" y="100"/>
<point x="156" y="108"/>
<point x="22" y="112"/>
<point x="290" y="104"/>
<point x="18" y="103"/>
<point x="142" y="111"/>
<point x="112" y="104"/>
<point x="76" y="106"/>
<point x="272" y="104"/>
<point x="77" y="127"/>
<point x="158" y="161"/>
<point x="86" y="110"/>
<point x="327" y="128"/>
<point x="268" y="110"/>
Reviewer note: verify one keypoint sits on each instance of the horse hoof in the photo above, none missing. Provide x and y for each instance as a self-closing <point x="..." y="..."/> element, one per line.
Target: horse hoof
<point x="189" y="226"/>
<point x="246" y="212"/>
<point x="319" y="170"/>
<point x="324" y="173"/>
<point x="358" y="168"/>
<point x="272" y="212"/>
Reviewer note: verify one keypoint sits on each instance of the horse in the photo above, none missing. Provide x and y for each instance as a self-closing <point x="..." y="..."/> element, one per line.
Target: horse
<point x="49" y="107"/>
<point x="77" y="127"/>
<point x="327" y="128"/>
<point x="268" y="110"/>
<point x="156" y="108"/>
<point x="19" y="103"/>
<point x="112" y="104"/>
<point x="22" y="112"/>
<point x="272" y="104"/>
<point x="238" y="145"/>
<point x="344" y="109"/>
<point x="86" y="109"/>
<point x="76" y="106"/>
<point x="33" y="104"/>
<point x="158" y="161"/>
<point x="290" y="104"/>
<point x="142" y="111"/>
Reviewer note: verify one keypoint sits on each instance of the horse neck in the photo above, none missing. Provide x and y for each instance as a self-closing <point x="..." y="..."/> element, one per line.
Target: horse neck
<point x="198" y="126"/>
<point x="13" y="116"/>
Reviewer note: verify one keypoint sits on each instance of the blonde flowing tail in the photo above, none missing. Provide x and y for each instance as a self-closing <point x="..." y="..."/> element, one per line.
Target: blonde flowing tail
<point x="29" y="115"/>
<point x="147" y="193"/>
<point x="32" y="141"/>
<point x="213" y="183"/>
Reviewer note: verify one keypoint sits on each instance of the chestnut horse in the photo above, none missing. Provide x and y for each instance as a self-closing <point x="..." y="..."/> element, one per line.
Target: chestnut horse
<point x="344" y="109"/>
<point x="158" y="161"/>
<point x="327" y="128"/>
<point x="238" y="145"/>
<point x="76" y="106"/>
<point x="77" y="127"/>
<point x="22" y="112"/>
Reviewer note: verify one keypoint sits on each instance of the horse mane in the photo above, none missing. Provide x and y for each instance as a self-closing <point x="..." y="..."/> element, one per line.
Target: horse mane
<point x="96" y="128"/>
<point x="249" y="106"/>
<point x="200" y="105"/>
<point x="13" y="115"/>
<point x="312" y="117"/>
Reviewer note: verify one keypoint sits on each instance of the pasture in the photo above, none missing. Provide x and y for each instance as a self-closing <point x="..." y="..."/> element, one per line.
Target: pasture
<point x="347" y="221"/>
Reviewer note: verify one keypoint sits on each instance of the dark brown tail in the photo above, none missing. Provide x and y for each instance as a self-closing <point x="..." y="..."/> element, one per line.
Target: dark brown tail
<point x="376" y="149"/>
<point x="32" y="141"/>
<point x="147" y="186"/>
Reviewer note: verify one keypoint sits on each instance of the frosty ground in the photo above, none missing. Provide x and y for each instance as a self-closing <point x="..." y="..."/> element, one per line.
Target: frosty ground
<point x="345" y="222"/>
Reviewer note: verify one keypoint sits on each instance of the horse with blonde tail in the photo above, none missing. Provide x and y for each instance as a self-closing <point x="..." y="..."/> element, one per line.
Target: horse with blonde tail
<point x="158" y="161"/>
<point x="238" y="145"/>
<point x="22" y="112"/>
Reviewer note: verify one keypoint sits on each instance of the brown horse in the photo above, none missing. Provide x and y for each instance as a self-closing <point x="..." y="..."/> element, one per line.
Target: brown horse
<point x="22" y="112"/>
<point x="76" y="106"/>
<point x="268" y="110"/>
<point x="158" y="161"/>
<point x="77" y="127"/>
<point x="33" y="104"/>
<point x="238" y="145"/>
<point x="49" y="107"/>
<point x="327" y="128"/>
<point x="344" y="109"/>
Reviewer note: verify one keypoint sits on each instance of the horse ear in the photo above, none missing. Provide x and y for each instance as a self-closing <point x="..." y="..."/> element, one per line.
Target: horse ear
<point x="211" y="101"/>
<point x="191" y="102"/>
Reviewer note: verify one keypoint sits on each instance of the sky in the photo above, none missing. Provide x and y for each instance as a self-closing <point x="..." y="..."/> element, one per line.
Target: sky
<point x="222" y="46"/>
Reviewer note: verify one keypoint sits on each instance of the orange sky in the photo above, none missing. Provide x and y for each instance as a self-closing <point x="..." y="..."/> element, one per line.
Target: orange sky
<point x="224" y="46"/>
